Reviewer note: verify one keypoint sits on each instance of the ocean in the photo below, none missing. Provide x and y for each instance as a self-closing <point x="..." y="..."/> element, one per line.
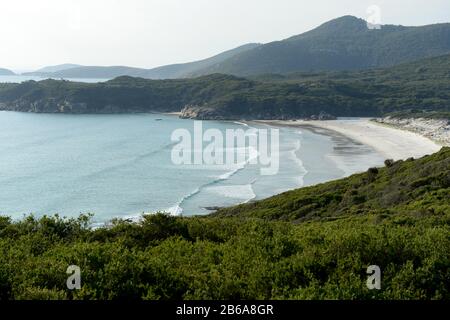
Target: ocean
<point x="120" y="166"/>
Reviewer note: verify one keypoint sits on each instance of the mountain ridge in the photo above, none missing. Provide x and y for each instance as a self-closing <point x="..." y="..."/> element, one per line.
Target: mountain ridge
<point x="420" y="85"/>
<point x="171" y="71"/>
<point x="6" y="72"/>
<point x="51" y="69"/>
<point x="344" y="43"/>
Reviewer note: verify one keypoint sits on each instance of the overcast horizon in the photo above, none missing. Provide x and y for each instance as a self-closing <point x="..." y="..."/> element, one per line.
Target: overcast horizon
<point x="147" y="34"/>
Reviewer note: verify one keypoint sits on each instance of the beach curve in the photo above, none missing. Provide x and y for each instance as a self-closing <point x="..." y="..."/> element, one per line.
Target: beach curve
<point x="392" y="143"/>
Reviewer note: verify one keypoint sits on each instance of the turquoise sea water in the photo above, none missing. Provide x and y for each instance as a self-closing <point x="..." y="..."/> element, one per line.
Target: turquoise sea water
<point x="120" y="166"/>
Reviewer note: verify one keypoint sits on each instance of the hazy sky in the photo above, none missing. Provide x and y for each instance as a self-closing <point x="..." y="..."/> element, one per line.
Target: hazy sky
<point x="149" y="33"/>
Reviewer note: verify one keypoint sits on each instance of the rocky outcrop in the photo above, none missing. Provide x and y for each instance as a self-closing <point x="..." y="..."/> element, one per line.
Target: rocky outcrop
<point x="52" y="105"/>
<point x="207" y="113"/>
<point x="189" y="111"/>
<point x="198" y="112"/>
<point x="323" y="116"/>
<point x="435" y="129"/>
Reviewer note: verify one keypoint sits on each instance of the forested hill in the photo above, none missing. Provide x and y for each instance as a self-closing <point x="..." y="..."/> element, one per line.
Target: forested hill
<point x="344" y="43"/>
<point x="423" y="85"/>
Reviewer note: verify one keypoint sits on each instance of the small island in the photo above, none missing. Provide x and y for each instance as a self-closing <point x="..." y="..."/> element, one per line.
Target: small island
<point x="6" y="72"/>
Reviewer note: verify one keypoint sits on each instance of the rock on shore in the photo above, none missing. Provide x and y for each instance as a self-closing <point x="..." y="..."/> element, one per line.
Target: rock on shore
<point x="435" y="129"/>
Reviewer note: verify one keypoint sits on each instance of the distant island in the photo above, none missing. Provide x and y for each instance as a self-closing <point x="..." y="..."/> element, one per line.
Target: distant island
<point x="419" y="85"/>
<point x="165" y="72"/>
<point x="6" y="72"/>
<point x="51" y="71"/>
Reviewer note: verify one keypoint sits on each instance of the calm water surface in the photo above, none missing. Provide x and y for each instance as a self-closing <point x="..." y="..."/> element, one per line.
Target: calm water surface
<point x="120" y="166"/>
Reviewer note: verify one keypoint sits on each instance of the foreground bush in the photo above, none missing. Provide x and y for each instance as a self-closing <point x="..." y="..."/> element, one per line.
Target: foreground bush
<point x="227" y="258"/>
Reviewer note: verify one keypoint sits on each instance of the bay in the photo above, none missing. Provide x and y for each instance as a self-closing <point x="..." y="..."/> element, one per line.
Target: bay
<point x="120" y="166"/>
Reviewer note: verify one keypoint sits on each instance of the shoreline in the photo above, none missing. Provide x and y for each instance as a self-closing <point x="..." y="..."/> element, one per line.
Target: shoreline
<point x="391" y="143"/>
<point x="437" y="130"/>
<point x="174" y="113"/>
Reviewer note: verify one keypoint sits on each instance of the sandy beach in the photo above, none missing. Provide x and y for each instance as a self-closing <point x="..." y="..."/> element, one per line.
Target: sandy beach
<point x="389" y="142"/>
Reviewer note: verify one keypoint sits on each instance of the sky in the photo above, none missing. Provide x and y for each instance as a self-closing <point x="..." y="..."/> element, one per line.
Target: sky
<point x="150" y="33"/>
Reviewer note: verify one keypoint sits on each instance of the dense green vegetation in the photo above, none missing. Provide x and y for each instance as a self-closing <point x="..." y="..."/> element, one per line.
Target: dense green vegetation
<point x="345" y="43"/>
<point x="414" y="186"/>
<point x="311" y="243"/>
<point x="422" y="85"/>
<point x="420" y="114"/>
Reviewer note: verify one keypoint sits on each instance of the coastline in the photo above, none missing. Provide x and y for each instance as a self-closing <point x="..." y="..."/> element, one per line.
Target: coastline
<point x="392" y="143"/>
<point x="437" y="130"/>
<point x="174" y="113"/>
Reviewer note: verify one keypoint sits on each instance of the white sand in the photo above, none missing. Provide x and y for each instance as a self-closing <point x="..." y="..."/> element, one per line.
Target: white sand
<point x="390" y="142"/>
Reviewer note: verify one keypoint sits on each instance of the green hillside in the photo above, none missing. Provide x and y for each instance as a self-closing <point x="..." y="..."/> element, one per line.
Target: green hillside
<point x="345" y="43"/>
<point x="419" y="186"/>
<point x="408" y="114"/>
<point x="312" y="243"/>
<point x="422" y="85"/>
<point x="184" y="70"/>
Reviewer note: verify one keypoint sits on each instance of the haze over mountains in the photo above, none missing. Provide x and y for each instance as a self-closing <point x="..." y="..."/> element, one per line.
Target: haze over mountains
<point x="53" y="69"/>
<point x="181" y="70"/>
<point x="6" y="72"/>
<point x="344" y="43"/>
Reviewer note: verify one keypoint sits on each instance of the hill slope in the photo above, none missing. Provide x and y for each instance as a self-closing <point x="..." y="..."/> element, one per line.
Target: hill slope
<point x="6" y="72"/>
<point x="423" y="85"/>
<point x="341" y="44"/>
<point x="50" y="69"/>
<point x="419" y="187"/>
<point x="344" y="43"/>
<point x="184" y="70"/>
<point x="165" y="72"/>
